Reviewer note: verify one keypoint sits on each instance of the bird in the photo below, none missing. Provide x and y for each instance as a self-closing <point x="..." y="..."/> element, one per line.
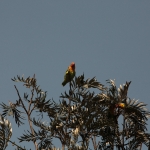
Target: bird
<point x="69" y="74"/>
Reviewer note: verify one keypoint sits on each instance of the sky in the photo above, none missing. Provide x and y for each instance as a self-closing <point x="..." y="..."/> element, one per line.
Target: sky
<point x="107" y="39"/>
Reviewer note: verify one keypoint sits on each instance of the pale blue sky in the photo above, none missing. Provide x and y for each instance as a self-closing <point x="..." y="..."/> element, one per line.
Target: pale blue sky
<point x="106" y="39"/>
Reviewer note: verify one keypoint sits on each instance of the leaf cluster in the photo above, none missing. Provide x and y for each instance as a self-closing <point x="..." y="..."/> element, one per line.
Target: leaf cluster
<point x="82" y="116"/>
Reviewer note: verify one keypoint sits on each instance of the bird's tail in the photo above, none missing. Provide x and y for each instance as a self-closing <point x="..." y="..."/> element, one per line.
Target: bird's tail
<point x="63" y="83"/>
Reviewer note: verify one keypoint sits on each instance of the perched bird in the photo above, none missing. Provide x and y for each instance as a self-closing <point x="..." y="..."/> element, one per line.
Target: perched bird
<point x="70" y="73"/>
<point x="114" y="113"/>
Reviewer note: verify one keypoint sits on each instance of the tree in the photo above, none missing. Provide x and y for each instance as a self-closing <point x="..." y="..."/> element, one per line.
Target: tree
<point x="81" y="117"/>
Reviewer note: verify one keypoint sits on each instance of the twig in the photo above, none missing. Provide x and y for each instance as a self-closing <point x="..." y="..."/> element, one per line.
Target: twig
<point x="21" y="100"/>
<point x="123" y="131"/>
<point x="28" y="113"/>
<point x="15" y="144"/>
<point x="141" y="146"/>
<point x="29" y="120"/>
<point x="94" y="143"/>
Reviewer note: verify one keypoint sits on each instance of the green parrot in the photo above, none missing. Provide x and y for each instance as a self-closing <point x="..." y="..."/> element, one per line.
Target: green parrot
<point x="70" y="73"/>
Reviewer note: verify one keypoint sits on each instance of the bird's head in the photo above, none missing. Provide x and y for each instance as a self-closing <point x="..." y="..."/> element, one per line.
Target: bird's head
<point x="72" y="65"/>
<point x="121" y="105"/>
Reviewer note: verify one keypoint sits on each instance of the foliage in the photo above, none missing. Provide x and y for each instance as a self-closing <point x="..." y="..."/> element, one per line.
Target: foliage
<point x="81" y="116"/>
<point x="5" y="132"/>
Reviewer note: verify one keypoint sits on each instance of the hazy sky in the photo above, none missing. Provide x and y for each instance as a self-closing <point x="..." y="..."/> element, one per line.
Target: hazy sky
<point x="107" y="39"/>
